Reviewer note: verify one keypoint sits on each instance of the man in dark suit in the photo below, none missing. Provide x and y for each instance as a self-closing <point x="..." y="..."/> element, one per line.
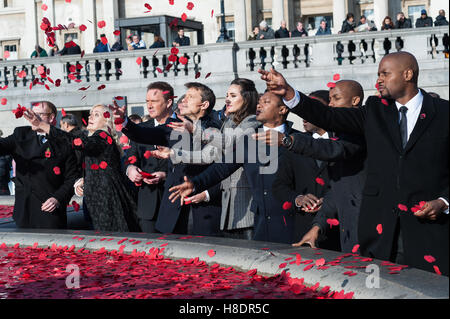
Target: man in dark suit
<point x="272" y="222"/>
<point x="204" y="209"/>
<point x="301" y="181"/>
<point x="150" y="191"/>
<point x="45" y="174"/>
<point x="404" y="210"/>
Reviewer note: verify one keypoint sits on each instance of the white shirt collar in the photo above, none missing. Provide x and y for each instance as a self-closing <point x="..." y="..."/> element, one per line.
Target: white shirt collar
<point x="414" y="104"/>
<point x="324" y="136"/>
<point x="281" y="128"/>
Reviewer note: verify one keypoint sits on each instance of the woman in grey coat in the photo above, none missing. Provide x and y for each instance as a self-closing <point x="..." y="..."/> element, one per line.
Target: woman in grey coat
<point x="237" y="218"/>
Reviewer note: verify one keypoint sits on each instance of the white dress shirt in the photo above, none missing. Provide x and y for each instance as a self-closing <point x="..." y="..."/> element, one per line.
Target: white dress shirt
<point x="281" y="128"/>
<point x="414" y="106"/>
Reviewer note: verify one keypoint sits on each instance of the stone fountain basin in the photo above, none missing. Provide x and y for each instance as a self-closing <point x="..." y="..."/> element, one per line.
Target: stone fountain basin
<point x="243" y="255"/>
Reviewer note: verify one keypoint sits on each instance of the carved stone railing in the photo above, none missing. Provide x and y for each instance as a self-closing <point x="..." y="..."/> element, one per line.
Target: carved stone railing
<point x="308" y="63"/>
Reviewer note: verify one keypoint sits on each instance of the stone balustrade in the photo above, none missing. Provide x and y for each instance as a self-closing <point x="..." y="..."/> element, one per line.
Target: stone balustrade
<point x="308" y="63"/>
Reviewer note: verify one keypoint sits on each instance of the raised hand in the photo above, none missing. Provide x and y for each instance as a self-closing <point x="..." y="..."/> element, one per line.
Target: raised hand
<point x="37" y="124"/>
<point x="181" y="191"/>
<point x="119" y="112"/>
<point x="186" y="125"/>
<point x="277" y="84"/>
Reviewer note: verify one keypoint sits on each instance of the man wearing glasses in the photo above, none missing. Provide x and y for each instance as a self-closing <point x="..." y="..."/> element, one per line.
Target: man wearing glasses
<point x="45" y="173"/>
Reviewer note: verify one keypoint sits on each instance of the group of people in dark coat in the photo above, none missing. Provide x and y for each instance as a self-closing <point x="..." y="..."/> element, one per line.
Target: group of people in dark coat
<point x="378" y="170"/>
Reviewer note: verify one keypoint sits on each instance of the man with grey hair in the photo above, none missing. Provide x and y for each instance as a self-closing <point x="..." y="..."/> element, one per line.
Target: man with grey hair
<point x="68" y="123"/>
<point x="265" y="31"/>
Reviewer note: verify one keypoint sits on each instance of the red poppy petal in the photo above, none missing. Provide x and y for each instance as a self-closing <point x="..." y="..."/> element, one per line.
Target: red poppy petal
<point x="211" y="253"/>
<point x="429" y="258"/>
<point x="380" y="229"/>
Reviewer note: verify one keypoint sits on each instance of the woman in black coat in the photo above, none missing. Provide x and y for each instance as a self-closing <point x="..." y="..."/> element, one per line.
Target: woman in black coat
<point x="104" y="186"/>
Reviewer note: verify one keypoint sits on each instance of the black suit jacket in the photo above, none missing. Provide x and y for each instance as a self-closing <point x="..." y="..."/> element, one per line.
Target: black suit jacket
<point x="396" y="175"/>
<point x="347" y="177"/>
<point x="297" y="175"/>
<point x="272" y="223"/>
<point x="149" y="196"/>
<point x="36" y="180"/>
<point x="169" y="212"/>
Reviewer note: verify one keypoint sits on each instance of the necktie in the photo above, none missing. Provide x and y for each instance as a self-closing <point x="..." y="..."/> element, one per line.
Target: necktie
<point x="403" y="125"/>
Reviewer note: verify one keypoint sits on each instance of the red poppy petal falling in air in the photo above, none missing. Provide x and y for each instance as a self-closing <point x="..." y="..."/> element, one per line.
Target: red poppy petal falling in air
<point x="116" y="32"/>
<point x="184" y="17"/>
<point x="190" y="6"/>
<point x="211" y="253"/>
<point x="380" y="229"/>
<point x="332" y="222"/>
<point x="402" y="207"/>
<point x="101" y="24"/>
<point x="183" y="60"/>
<point x="331" y="85"/>
<point x="3" y="101"/>
<point x="320" y="181"/>
<point x="139" y="60"/>
<point x="287" y="205"/>
<point x="208" y="75"/>
<point x="429" y="258"/>
<point x="355" y="248"/>
<point x="56" y="170"/>
<point x="336" y="77"/>
<point x="436" y="270"/>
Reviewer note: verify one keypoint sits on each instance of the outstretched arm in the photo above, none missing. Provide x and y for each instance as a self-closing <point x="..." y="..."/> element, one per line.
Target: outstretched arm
<point x="349" y="120"/>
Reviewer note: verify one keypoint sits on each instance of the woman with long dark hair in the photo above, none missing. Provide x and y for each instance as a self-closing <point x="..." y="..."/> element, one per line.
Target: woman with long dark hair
<point x="237" y="219"/>
<point x="104" y="186"/>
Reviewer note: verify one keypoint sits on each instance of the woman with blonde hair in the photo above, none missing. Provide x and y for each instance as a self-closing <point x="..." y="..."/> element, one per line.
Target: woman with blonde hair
<point x="104" y="186"/>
